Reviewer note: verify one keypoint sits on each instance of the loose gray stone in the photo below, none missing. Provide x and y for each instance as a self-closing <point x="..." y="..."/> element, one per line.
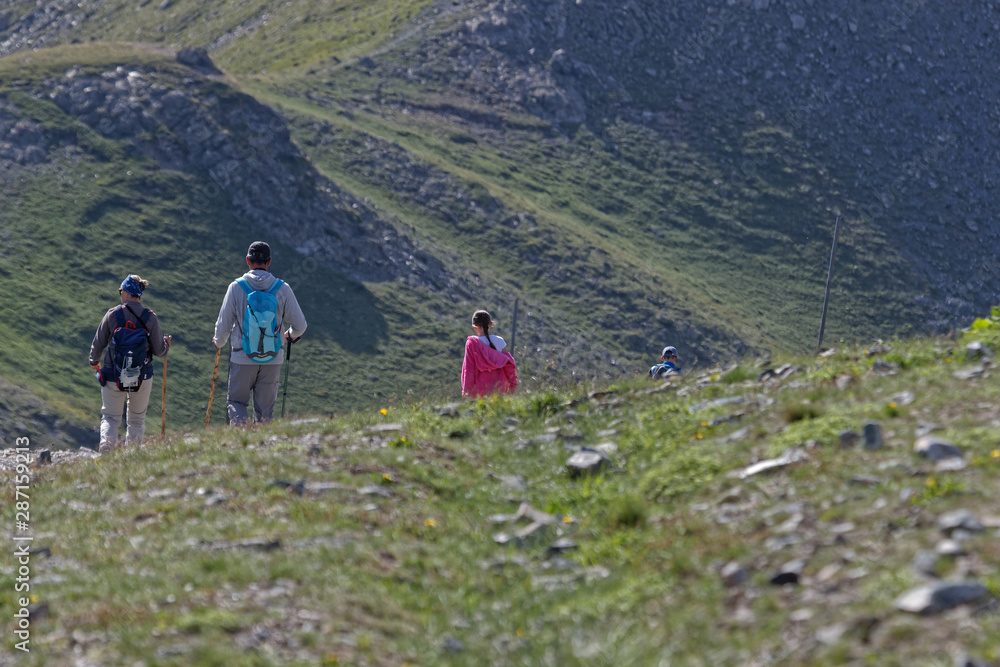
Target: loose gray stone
<point x="587" y="462"/>
<point x="950" y="465"/>
<point x="791" y="456"/>
<point x="606" y="448"/>
<point x="514" y="482"/>
<point x="789" y="573"/>
<point x="253" y="544"/>
<point x="926" y="428"/>
<point x="730" y="400"/>
<point x="962" y="519"/>
<point x="561" y="545"/>
<point x="449" y="410"/>
<point x="904" y="398"/>
<point x="831" y="634"/>
<point x="925" y="563"/>
<point x="382" y="428"/>
<point x="949" y="548"/>
<point x="940" y="596"/>
<point x="849" y="439"/>
<point x="873" y="435"/>
<point x="964" y="660"/>
<point x="733" y="574"/>
<point x="976" y="350"/>
<point x="970" y="373"/>
<point x="936" y="449"/>
<point x="452" y="645"/>
<point x="524" y="536"/>
<point x="375" y="490"/>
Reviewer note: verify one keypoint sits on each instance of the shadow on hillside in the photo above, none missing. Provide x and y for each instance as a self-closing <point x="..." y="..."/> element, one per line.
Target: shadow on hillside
<point x="339" y="309"/>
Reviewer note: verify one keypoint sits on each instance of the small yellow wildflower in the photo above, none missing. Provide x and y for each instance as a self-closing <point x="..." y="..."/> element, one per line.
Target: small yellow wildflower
<point x="704" y="423"/>
<point x="699" y="435"/>
<point x="430" y="523"/>
<point x="384" y="412"/>
<point x="995" y="453"/>
<point x="892" y="406"/>
<point x="567" y="519"/>
<point x="34" y="598"/>
<point x="931" y="482"/>
<point x="521" y="632"/>
<point x="387" y="477"/>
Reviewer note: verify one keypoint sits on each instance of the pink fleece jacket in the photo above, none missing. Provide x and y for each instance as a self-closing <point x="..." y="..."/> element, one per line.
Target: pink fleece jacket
<point x="486" y="371"/>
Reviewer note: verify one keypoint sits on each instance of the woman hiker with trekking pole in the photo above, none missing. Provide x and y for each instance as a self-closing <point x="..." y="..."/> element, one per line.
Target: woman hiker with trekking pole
<point x="122" y="356"/>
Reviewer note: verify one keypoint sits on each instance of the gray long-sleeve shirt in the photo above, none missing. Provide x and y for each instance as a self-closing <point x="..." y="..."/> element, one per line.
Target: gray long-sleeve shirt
<point x="110" y="322"/>
<point x="234" y="306"/>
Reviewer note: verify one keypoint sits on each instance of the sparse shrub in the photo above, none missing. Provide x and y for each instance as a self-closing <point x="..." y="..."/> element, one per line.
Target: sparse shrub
<point x="628" y="512"/>
<point x="980" y="324"/>
<point x="544" y="404"/>
<point x="687" y="471"/>
<point x="740" y="374"/>
<point x="797" y="412"/>
<point x="938" y="488"/>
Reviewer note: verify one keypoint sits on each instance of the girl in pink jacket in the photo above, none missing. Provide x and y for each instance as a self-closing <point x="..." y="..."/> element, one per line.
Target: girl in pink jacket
<point x="486" y="369"/>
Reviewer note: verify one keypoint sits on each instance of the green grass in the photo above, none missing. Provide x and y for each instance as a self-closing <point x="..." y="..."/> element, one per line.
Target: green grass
<point x="615" y="240"/>
<point x="75" y="226"/>
<point x="145" y="565"/>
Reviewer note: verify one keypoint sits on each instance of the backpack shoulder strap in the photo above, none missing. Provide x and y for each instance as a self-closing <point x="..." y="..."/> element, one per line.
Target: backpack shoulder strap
<point x="276" y="286"/>
<point x="242" y="282"/>
<point x="120" y="316"/>
<point x="142" y="317"/>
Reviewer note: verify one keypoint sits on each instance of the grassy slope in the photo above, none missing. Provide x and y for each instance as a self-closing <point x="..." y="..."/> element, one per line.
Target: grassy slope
<point x="100" y="212"/>
<point x="661" y="228"/>
<point x="350" y="578"/>
<point x="749" y="250"/>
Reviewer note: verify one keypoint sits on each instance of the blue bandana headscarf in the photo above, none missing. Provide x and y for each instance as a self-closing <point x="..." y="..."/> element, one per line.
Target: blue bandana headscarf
<point x="132" y="286"/>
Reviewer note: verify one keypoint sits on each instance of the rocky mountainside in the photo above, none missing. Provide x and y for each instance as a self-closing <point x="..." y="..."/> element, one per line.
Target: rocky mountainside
<point x="634" y="173"/>
<point x="243" y="149"/>
<point x="897" y="100"/>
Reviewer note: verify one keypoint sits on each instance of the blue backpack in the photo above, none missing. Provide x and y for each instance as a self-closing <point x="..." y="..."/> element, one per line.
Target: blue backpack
<point x="130" y="351"/>
<point x="261" y="329"/>
<point x="664" y="369"/>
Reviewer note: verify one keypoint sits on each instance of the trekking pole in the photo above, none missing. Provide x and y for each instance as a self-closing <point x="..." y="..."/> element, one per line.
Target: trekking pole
<point x="829" y="277"/>
<point x="163" y="403"/>
<point x="288" y="359"/>
<point x="211" y="395"/>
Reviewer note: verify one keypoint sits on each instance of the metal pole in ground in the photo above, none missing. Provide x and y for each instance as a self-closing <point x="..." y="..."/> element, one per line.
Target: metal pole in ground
<point x="829" y="278"/>
<point x="513" y="328"/>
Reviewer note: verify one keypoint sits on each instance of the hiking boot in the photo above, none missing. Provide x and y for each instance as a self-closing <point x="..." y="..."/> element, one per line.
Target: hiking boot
<point x="105" y="447"/>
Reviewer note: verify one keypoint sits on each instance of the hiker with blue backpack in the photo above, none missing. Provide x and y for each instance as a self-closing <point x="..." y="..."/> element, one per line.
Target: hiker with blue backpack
<point x="256" y="308"/>
<point x="667" y="366"/>
<point x="131" y="335"/>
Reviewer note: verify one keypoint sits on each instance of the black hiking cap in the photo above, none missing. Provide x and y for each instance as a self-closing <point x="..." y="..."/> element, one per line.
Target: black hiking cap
<point x="259" y="252"/>
<point x="669" y="351"/>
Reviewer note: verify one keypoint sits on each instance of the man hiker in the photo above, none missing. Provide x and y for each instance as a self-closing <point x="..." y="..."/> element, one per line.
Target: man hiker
<point x="256" y="307"/>
<point x="668" y="364"/>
